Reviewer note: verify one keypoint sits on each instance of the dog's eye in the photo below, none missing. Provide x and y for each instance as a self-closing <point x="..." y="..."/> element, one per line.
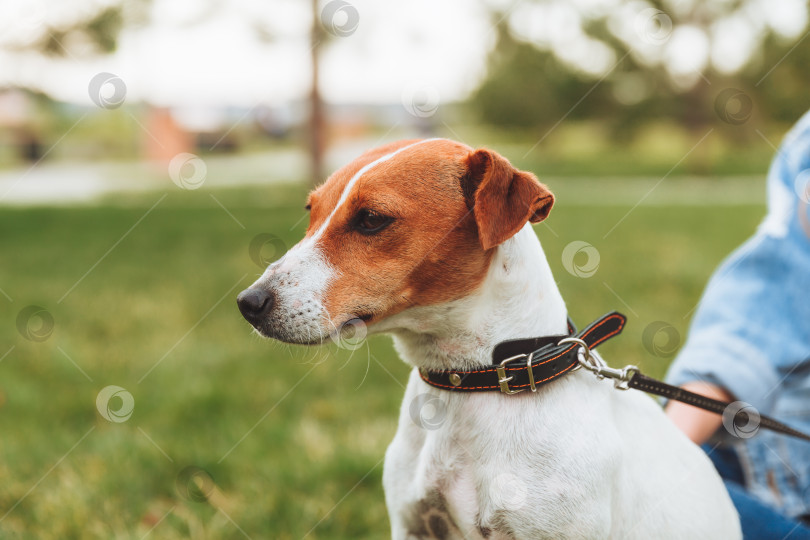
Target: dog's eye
<point x="308" y="207"/>
<point x="368" y="222"/>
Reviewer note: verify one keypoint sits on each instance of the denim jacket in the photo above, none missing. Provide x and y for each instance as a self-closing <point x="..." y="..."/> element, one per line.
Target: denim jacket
<point x="751" y="333"/>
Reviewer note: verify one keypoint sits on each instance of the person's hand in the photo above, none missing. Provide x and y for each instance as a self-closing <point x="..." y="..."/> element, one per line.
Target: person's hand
<point x="696" y="423"/>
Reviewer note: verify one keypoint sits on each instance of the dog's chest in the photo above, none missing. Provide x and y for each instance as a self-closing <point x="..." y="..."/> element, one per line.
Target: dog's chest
<point x="494" y="469"/>
<point x="446" y="483"/>
<point x="447" y="512"/>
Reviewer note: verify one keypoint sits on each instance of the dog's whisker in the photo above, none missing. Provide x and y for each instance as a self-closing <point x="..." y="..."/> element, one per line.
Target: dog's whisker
<point x="368" y="366"/>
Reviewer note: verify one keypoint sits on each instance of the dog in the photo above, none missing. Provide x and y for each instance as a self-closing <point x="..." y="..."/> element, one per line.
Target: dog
<point x="432" y="242"/>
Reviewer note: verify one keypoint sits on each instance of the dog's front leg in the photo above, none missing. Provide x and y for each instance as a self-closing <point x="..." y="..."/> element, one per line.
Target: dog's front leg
<point x="430" y="490"/>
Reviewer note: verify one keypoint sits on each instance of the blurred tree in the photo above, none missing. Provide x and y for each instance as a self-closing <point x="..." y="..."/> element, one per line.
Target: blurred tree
<point x="528" y="87"/>
<point x="663" y="66"/>
<point x="317" y="119"/>
<point x="100" y="32"/>
<point x="94" y="33"/>
<point x="783" y="92"/>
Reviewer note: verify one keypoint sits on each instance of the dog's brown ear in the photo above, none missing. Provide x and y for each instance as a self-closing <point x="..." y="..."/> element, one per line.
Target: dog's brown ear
<point x="502" y="198"/>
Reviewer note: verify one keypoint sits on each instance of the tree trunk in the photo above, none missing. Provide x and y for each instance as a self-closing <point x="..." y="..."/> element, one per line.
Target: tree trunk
<point x="317" y="121"/>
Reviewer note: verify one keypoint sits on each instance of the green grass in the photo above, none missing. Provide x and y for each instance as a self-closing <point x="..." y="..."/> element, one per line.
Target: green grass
<point x="309" y="425"/>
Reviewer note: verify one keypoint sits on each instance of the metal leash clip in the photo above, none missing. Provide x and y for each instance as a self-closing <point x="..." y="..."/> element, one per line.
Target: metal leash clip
<point x="593" y="362"/>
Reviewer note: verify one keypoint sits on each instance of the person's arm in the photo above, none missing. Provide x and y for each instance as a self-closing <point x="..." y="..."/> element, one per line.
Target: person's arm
<point x="750" y="329"/>
<point x="696" y="423"/>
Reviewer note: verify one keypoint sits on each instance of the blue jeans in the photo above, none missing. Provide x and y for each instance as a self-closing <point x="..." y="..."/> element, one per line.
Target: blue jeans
<point x="759" y="521"/>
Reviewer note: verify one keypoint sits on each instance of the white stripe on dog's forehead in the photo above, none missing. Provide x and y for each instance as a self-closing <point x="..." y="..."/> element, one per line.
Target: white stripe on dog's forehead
<point x="313" y="272"/>
<point x="348" y="189"/>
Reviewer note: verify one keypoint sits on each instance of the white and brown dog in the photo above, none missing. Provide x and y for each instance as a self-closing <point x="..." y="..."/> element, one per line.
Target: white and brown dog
<point x="431" y="241"/>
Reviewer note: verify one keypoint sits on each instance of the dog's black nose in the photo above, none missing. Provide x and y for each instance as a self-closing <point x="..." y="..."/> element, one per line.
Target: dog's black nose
<point x="254" y="304"/>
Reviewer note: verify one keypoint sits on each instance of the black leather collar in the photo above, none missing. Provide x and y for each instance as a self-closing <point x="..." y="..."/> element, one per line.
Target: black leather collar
<point x="519" y="364"/>
<point x="528" y="363"/>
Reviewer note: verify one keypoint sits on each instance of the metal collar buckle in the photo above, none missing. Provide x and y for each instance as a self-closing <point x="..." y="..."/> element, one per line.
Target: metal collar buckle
<point x="503" y="380"/>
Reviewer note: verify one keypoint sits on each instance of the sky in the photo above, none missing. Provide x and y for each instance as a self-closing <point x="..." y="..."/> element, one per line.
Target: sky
<point x="189" y="54"/>
<point x="244" y="52"/>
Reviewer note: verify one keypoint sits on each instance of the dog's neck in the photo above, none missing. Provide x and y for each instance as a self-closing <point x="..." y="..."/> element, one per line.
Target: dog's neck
<point x="517" y="299"/>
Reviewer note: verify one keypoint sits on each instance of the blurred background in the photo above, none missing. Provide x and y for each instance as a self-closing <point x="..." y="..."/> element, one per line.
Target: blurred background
<point x="155" y="156"/>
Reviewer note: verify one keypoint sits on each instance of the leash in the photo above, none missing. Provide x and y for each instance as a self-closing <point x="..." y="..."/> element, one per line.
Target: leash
<point x="522" y="364"/>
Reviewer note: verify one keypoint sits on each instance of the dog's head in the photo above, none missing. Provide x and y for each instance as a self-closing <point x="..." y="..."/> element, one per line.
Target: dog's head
<point x="413" y="223"/>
